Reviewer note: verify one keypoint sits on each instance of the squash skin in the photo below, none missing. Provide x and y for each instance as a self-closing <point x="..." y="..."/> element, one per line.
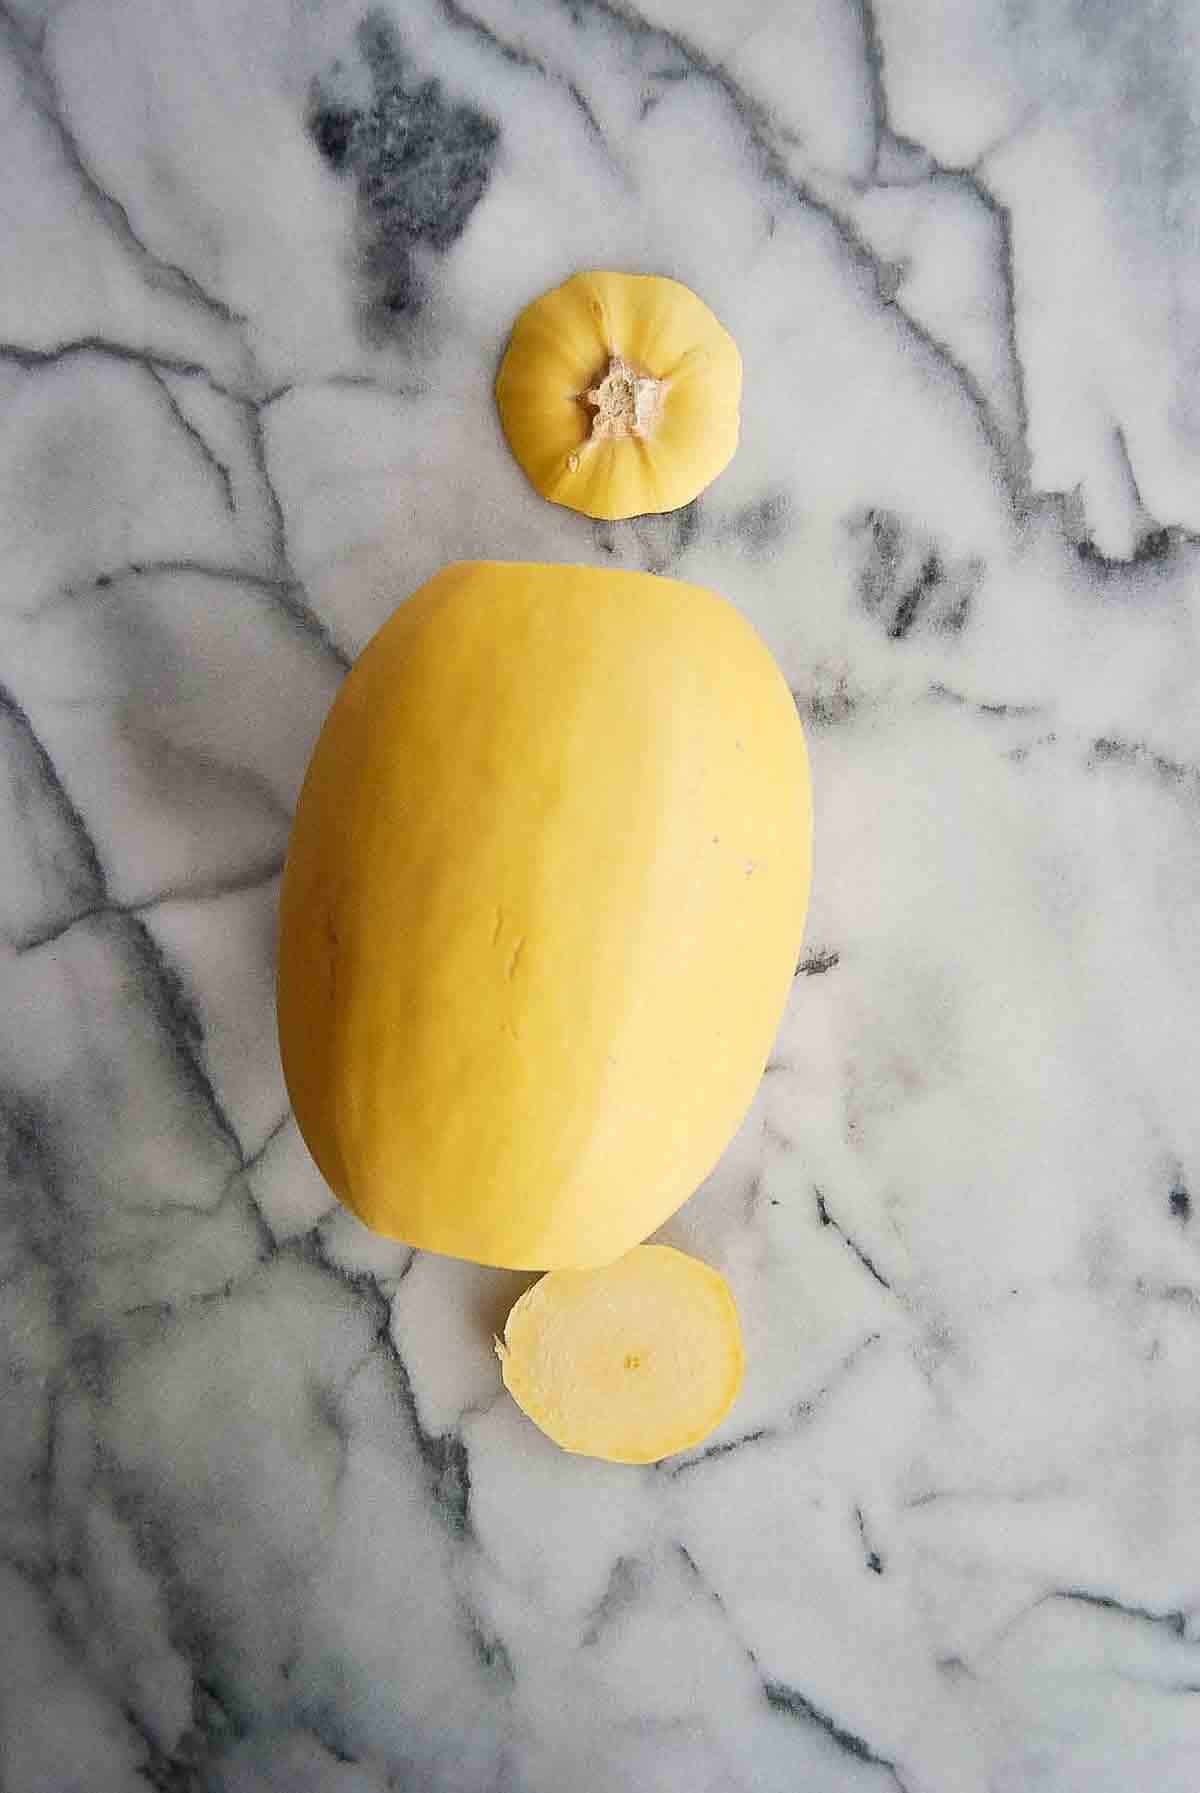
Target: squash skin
<point x="541" y="909"/>
<point x="560" y="344"/>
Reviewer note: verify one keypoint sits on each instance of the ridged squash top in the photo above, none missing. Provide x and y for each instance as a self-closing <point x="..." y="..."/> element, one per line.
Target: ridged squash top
<point x="541" y="909"/>
<point x="619" y="394"/>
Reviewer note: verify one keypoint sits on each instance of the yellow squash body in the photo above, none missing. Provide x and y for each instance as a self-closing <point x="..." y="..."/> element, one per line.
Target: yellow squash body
<point x="560" y="347"/>
<point x="541" y="909"/>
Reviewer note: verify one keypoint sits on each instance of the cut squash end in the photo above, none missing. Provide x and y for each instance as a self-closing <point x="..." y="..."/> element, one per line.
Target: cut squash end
<point x="632" y="1362"/>
<point x="634" y="364"/>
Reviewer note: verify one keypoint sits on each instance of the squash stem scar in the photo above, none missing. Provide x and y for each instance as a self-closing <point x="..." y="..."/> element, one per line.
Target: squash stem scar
<point x="626" y="401"/>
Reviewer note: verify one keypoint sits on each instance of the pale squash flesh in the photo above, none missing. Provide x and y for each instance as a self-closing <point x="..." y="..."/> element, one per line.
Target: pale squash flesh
<point x="541" y="909"/>
<point x="619" y="394"/>
<point x="631" y="1362"/>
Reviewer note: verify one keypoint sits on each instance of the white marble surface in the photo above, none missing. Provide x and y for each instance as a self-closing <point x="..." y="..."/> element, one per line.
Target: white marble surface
<point x="266" y="1520"/>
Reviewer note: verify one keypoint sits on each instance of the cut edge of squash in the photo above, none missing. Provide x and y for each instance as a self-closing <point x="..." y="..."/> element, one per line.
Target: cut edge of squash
<point x="632" y="1362"/>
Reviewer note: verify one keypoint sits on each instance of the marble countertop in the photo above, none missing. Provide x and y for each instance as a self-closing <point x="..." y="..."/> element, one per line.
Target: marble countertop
<point x="268" y="1523"/>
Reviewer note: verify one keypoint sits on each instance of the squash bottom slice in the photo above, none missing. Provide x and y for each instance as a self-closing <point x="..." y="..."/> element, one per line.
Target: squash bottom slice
<point x="630" y="1362"/>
